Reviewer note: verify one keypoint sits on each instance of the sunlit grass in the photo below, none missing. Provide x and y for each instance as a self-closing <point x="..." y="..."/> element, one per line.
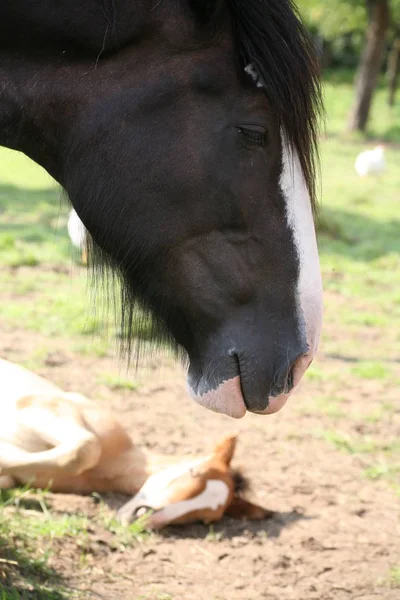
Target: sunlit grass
<point x="371" y="371"/>
<point x="116" y="382"/>
<point x="28" y="531"/>
<point x="395" y="577"/>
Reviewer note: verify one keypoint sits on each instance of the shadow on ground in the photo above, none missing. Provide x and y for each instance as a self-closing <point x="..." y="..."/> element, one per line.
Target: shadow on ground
<point x="23" y="578"/>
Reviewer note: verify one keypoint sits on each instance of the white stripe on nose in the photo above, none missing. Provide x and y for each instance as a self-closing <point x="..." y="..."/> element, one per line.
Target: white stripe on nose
<point x="300" y="219"/>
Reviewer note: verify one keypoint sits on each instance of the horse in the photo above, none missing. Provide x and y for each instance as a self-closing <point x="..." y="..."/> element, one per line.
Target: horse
<point x="185" y="135"/>
<point x="65" y="442"/>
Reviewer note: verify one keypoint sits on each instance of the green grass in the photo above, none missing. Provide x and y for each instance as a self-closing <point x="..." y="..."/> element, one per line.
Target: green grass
<point x="361" y="444"/>
<point x="395" y="577"/>
<point x="369" y="370"/>
<point x="32" y="214"/>
<point x="115" y="382"/>
<point x="27" y="544"/>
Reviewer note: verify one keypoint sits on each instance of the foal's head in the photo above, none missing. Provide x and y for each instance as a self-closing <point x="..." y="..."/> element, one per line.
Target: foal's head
<point x="202" y="490"/>
<point x="190" y="161"/>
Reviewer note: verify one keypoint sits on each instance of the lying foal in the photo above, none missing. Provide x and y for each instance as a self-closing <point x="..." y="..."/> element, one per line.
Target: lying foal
<point x="51" y="438"/>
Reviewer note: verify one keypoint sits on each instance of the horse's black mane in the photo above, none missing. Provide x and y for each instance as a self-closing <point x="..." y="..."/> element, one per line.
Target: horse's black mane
<point x="270" y="35"/>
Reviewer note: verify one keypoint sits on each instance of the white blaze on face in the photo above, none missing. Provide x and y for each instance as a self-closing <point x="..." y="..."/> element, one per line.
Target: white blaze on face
<point x="300" y="219"/>
<point x="156" y="490"/>
<point x="157" y="494"/>
<point x="228" y="398"/>
<point x="215" y="495"/>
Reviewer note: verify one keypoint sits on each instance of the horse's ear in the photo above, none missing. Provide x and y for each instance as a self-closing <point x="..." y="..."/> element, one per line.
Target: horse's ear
<point x="242" y="509"/>
<point x="226" y="449"/>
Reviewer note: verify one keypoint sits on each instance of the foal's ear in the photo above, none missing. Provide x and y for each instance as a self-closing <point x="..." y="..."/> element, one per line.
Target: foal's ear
<point x="226" y="449"/>
<point x="242" y="509"/>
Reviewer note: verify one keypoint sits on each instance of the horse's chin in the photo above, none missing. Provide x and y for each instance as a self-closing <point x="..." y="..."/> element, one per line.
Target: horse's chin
<point x="228" y="399"/>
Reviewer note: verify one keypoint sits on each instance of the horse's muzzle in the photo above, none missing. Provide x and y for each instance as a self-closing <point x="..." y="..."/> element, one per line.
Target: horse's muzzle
<point x="253" y="388"/>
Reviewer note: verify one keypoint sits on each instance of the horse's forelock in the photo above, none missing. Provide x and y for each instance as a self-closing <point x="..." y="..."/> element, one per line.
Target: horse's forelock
<point x="270" y="35"/>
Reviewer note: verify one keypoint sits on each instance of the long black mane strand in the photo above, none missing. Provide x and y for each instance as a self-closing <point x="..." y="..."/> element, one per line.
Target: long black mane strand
<point x="270" y="35"/>
<point x="139" y="331"/>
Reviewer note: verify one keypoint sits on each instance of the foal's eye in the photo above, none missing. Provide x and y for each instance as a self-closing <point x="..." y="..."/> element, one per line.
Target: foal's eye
<point x="254" y="134"/>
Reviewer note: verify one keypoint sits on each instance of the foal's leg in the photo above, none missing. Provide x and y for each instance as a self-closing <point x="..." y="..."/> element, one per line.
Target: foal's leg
<point x="75" y="448"/>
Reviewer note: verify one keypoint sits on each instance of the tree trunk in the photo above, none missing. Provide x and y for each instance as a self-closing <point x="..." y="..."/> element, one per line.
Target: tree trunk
<point x="393" y="70"/>
<point x="371" y="62"/>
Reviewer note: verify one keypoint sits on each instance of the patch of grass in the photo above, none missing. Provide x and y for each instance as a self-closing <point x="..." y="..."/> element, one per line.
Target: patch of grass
<point x="126" y="536"/>
<point x="115" y="382"/>
<point x="346" y="443"/>
<point x="332" y="411"/>
<point x="360" y="444"/>
<point x="369" y="370"/>
<point x="382" y="471"/>
<point x="25" y="548"/>
<point x="379" y="456"/>
<point x="315" y="373"/>
<point x="40" y="525"/>
<point x="94" y="347"/>
<point x="214" y="536"/>
<point x="395" y="577"/>
<point x="325" y="405"/>
<point x="28" y="531"/>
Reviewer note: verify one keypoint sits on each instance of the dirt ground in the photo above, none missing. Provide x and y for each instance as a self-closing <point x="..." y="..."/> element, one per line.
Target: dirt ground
<point x="335" y="534"/>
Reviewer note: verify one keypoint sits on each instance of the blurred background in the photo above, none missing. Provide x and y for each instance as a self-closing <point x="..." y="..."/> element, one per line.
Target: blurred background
<point x="347" y="412"/>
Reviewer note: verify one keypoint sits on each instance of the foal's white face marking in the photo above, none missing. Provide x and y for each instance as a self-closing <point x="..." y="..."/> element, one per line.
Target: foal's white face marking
<point x="215" y="495"/>
<point x="156" y="487"/>
<point x="158" y="491"/>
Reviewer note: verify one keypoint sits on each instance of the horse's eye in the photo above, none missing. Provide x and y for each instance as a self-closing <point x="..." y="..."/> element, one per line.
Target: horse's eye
<point x="254" y="134"/>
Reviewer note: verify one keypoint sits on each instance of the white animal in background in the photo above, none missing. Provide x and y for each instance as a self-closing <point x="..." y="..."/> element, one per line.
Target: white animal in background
<point x="371" y="162"/>
<point x="78" y="234"/>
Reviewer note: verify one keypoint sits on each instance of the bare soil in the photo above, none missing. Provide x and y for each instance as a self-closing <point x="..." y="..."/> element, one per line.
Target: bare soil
<point x="335" y="534"/>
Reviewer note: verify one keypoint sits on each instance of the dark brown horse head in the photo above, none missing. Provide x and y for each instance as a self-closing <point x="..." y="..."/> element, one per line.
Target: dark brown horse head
<point x="184" y="134"/>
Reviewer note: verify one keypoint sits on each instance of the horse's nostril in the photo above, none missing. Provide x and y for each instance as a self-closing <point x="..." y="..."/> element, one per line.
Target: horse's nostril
<point x="282" y="384"/>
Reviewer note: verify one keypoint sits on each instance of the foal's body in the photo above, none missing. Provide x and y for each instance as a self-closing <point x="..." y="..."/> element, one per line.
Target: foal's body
<point x="61" y="440"/>
<point x="50" y="435"/>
